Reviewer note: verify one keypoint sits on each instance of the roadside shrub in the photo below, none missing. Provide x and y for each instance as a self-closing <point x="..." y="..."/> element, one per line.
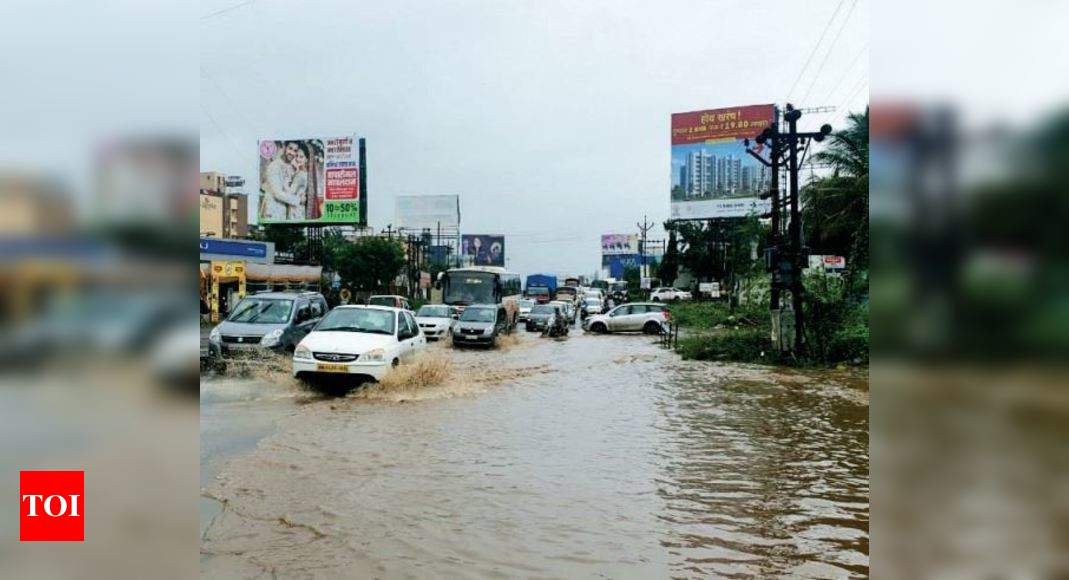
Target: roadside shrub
<point x="837" y="327"/>
<point x="837" y="324"/>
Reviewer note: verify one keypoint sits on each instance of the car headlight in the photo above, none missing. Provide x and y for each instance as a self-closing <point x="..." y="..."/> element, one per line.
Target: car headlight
<point x="489" y="330"/>
<point x="375" y="355"/>
<point x="215" y="336"/>
<point x="302" y="352"/>
<point x="271" y="338"/>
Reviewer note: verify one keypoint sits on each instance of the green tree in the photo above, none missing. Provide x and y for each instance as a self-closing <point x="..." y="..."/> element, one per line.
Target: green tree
<point x="721" y="249"/>
<point x="669" y="268"/>
<point x="368" y="264"/>
<point x="633" y="277"/>
<point x="287" y="238"/>
<point x="835" y="215"/>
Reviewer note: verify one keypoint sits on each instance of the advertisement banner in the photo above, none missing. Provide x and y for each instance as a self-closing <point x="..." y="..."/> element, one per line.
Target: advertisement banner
<point x="614" y="244"/>
<point x="418" y="212"/>
<point x="483" y="250"/>
<point x="311" y="181"/>
<point x="712" y="175"/>
<point x="614" y="265"/>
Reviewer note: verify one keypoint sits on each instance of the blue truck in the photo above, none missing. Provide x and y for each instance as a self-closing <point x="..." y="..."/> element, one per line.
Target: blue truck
<point x="541" y="287"/>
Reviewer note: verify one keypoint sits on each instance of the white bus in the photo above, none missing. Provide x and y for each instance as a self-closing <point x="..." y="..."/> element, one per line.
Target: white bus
<point x="462" y="287"/>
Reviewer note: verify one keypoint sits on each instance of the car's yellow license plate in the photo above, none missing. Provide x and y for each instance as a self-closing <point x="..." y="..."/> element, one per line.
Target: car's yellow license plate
<point x="328" y="368"/>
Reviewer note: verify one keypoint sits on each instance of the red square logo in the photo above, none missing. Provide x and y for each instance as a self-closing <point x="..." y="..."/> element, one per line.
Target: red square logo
<point x="52" y="506"/>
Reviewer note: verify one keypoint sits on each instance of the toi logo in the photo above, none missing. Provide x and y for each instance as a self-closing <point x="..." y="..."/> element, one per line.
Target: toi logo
<point x="51" y="506"/>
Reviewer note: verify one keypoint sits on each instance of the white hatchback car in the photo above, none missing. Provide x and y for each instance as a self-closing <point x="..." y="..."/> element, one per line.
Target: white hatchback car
<point x="436" y="320"/>
<point x="364" y="341"/>
<point x="666" y="294"/>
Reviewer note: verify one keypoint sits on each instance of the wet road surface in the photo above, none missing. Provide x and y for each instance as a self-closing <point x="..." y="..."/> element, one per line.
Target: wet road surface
<point x="593" y="456"/>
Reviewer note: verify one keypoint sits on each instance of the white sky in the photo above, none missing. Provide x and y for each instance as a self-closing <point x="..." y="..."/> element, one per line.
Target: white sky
<point x="549" y="119"/>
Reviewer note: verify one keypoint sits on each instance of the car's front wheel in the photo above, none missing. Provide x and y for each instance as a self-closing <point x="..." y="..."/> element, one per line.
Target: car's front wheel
<point x="598" y="328"/>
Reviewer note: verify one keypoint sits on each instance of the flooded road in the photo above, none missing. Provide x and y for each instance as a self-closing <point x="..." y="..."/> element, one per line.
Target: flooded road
<point x="594" y="456"/>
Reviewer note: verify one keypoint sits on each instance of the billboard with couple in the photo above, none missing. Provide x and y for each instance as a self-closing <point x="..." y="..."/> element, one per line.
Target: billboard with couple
<point x="483" y="250"/>
<point x="312" y="181"/>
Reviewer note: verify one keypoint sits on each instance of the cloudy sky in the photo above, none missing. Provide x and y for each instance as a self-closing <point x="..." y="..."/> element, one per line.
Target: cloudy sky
<point x="549" y="119"/>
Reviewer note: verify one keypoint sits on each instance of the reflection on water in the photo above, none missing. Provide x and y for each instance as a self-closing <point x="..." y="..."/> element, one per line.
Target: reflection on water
<point x="595" y="455"/>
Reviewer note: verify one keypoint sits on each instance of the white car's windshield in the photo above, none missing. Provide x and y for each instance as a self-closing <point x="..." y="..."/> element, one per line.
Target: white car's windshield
<point x="358" y="320"/>
<point x="525" y="303"/>
<point x="254" y="310"/>
<point x="436" y="311"/>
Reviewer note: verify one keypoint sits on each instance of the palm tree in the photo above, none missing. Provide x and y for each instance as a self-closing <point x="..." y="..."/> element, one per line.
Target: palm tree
<point x="848" y="151"/>
<point x="836" y="208"/>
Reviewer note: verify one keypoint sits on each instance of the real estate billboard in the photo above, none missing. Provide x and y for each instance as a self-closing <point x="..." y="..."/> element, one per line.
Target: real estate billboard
<point x="312" y="180"/>
<point x="712" y="175"/>
<point x="483" y="250"/>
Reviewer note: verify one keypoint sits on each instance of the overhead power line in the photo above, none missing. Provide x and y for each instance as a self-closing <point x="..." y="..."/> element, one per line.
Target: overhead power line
<point x="813" y="52"/>
<point x="831" y="48"/>
<point x="849" y="68"/>
<point x="222" y="11"/>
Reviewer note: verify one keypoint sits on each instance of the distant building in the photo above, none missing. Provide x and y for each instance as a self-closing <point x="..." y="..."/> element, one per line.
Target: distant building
<point x="211" y="214"/>
<point x="223" y="213"/>
<point x="236" y="220"/>
<point x="34" y="206"/>
<point x="213" y="181"/>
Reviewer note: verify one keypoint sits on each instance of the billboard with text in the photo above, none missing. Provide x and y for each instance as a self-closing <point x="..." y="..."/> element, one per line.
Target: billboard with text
<point x="314" y="180"/>
<point x="712" y="175"/>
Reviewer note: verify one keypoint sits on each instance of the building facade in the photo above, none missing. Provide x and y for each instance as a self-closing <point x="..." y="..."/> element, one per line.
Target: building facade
<point x="237" y="215"/>
<point x="213" y="181"/>
<point x="211" y="215"/>
<point x="223" y="214"/>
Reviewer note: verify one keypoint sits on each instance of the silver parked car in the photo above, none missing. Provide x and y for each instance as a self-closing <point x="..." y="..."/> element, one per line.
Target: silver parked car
<point x="645" y="317"/>
<point x="267" y="320"/>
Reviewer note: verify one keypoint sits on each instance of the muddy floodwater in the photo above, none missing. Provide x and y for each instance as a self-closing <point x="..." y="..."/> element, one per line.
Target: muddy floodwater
<point x="593" y="456"/>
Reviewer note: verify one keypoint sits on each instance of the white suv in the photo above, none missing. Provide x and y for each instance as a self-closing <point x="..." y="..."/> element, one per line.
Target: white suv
<point x="634" y="317"/>
<point x="666" y="294"/>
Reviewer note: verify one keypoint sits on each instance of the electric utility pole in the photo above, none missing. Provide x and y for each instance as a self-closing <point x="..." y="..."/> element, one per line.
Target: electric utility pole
<point x="786" y="260"/>
<point x="644" y="227"/>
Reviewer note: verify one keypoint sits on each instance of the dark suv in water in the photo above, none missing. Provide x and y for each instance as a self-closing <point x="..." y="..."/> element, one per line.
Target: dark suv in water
<point x="267" y="320"/>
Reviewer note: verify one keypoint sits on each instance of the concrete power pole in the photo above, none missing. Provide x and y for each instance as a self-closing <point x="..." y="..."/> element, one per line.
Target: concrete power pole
<point x="643" y="227"/>
<point x="786" y="260"/>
